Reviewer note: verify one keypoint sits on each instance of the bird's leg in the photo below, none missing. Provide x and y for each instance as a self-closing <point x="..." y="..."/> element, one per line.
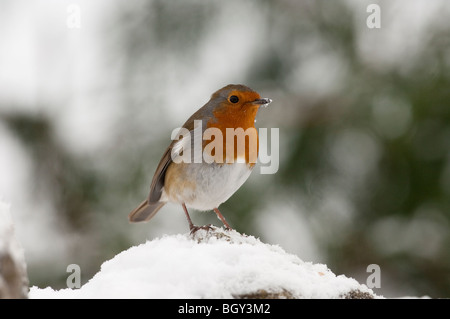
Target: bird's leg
<point x="192" y="227"/>
<point x="228" y="227"/>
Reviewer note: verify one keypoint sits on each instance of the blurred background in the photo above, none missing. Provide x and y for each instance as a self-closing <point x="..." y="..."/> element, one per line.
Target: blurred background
<point x="91" y="90"/>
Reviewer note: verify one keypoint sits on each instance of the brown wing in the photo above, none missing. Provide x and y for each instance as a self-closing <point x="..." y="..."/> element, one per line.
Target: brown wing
<point x="149" y="207"/>
<point x="158" y="179"/>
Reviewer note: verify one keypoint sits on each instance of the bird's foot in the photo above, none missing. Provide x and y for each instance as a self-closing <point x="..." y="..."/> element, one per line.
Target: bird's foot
<point x="194" y="228"/>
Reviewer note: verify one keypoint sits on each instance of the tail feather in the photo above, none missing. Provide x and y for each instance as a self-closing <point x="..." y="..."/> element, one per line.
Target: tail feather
<point x="145" y="211"/>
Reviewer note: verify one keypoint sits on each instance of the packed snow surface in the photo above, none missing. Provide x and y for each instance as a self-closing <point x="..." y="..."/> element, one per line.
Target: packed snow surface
<point x="209" y="264"/>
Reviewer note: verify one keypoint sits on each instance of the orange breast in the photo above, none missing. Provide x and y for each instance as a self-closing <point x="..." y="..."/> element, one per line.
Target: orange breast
<point x="240" y="137"/>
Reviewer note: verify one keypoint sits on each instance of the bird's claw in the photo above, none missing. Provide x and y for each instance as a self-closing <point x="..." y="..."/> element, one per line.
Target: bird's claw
<point x="194" y="228"/>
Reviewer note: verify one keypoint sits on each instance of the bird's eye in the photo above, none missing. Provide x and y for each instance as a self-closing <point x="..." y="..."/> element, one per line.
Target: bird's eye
<point x="234" y="99"/>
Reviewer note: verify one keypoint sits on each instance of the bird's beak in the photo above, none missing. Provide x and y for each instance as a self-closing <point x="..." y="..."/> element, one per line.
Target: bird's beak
<point x="262" y="102"/>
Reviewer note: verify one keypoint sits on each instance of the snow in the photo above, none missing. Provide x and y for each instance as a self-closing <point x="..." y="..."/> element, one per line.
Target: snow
<point x="8" y="241"/>
<point x="209" y="264"/>
<point x="13" y="279"/>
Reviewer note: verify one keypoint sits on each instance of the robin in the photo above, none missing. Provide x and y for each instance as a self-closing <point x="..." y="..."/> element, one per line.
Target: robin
<point x="205" y="184"/>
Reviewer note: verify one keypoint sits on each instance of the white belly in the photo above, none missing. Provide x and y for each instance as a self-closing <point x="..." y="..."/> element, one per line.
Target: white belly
<point x="214" y="185"/>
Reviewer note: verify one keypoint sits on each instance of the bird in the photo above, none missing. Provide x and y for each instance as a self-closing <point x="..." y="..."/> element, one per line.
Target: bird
<point x="204" y="183"/>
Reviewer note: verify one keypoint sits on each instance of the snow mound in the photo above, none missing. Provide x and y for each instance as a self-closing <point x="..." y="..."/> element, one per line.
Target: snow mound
<point x="210" y="264"/>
